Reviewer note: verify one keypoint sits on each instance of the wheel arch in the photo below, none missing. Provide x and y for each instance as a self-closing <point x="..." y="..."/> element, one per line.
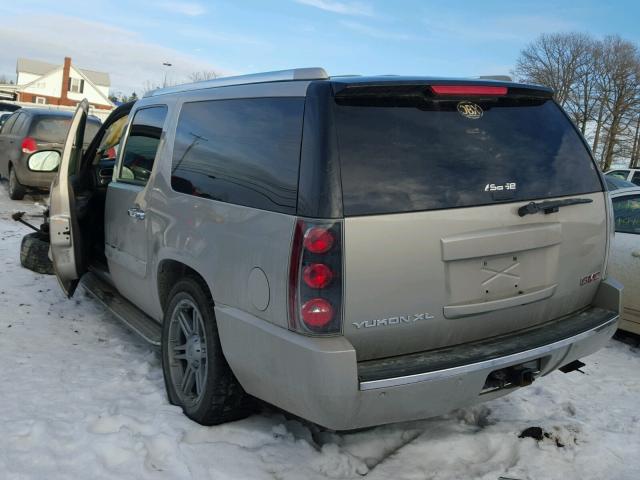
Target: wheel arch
<point x="169" y="272"/>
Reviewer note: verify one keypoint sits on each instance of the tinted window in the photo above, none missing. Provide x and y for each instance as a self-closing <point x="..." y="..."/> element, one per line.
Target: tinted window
<point x="6" y="128"/>
<point x="18" y="127"/>
<point x="636" y="178"/>
<point x="240" y="151"/>
<point x="55" y="129"/>
<point x="431" y="156"/>
<point x="622" y="174"/>
<point x="142" y="145"/>
<point x="627" y="213"/>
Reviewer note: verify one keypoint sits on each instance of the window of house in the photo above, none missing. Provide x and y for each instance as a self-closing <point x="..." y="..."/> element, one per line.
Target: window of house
<point x="76" y="85"/>
<point x="41" y="100"/>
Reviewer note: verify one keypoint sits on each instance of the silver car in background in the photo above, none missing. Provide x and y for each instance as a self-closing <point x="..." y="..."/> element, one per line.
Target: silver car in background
<point x="625" y="253"/>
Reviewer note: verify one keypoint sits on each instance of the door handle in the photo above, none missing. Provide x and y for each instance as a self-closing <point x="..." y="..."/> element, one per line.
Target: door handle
<point x="136" y="212"/>
<point x="636" y="253"/>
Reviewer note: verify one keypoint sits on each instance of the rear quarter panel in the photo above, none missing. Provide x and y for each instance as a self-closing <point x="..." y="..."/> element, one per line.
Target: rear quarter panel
<point x="222" y="242"/>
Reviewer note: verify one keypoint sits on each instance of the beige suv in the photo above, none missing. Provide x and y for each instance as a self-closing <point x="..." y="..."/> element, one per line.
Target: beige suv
<point x="354" y="250"/>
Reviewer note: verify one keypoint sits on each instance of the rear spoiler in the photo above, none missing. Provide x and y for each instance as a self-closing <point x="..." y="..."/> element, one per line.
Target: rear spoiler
<point x="435" y="90"/>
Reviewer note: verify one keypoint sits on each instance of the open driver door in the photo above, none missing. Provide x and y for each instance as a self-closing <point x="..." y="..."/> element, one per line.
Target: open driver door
<point x="64" y="231"/>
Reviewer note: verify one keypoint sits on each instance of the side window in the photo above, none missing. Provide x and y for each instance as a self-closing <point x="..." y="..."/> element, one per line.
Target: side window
<point x="6" y="128"/>
<point x="636" y="177"/>
<point x="142" y="145"/>
<point x="21" y="126"/>
<point x="242" y="151"/>
<point x="627" y="214"/>
<point x="19" y="123"/>
<point x="623" y="174"/>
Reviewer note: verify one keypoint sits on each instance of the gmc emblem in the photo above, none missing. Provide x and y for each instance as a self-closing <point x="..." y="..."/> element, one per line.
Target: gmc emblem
<point x="590" y="278"/>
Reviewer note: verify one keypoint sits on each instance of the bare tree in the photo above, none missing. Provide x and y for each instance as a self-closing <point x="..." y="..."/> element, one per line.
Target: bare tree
<point x="149" y="86"/>
<point x="597" y="82"/>
<point x="635" y="151"/>
<point x="584" y="101"/>
<point x="5" y="79"/>
<point x="620" y="88"/>
<point x="203" y="75"/>
<point x="556" y="60"/>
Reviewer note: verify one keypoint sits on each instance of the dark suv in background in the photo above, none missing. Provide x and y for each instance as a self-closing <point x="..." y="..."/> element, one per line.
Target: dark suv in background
<point x="30" y="130"/>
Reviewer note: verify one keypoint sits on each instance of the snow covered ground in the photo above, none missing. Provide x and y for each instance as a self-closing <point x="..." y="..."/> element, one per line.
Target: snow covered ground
<point x="82" y="398"/>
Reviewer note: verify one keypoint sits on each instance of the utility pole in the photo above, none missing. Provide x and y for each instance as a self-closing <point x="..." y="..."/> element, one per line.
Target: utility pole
<point x="165" y="64"/>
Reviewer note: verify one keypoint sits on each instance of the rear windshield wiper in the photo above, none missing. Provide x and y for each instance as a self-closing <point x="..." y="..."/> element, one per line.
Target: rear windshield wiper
<point x="550" y="206"/>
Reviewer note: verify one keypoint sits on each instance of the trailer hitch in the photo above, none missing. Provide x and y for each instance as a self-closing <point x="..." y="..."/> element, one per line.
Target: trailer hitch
<point x="514" y="376"/>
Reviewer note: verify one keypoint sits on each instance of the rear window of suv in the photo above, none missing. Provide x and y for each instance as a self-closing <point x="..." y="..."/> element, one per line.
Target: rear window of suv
<point x="433" y="156"/>
<point x="54" y="129"/>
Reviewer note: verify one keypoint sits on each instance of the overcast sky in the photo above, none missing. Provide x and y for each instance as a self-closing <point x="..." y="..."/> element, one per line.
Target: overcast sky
<point x="131" y="39"/>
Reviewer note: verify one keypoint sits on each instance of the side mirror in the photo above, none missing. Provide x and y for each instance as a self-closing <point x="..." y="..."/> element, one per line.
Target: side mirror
<point x="44" y="161"/>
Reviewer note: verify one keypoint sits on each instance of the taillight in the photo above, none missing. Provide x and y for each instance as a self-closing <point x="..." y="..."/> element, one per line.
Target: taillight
<point x="316" y="313"/>
<point x="489" y="90"/>
<point x="315" y="277"/>
<point x="318" y="240"/>
<point x="29" y="145"/>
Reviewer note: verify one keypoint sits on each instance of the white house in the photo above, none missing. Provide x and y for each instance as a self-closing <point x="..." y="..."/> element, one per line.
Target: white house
<point x="62" y="85"/>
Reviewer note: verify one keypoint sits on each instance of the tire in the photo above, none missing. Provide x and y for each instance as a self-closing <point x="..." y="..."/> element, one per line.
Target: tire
<point x="16" y="191"/>
<point x="211" y="394"/>
<point x="34" y="253"/>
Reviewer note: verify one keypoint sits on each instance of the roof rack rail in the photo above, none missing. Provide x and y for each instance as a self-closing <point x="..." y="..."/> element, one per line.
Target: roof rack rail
<point x="313" y="73"/>
<point x="502" y="78"/>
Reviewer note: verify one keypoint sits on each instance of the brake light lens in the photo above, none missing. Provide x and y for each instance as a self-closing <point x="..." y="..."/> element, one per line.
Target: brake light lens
<point x="316" y="313"/>
<point x="317" y="275"/>
<point x="318" y="240"/>
<point x="29" y="145"/>
<point x="315" y="278"/>
<point x="490" y="90"/>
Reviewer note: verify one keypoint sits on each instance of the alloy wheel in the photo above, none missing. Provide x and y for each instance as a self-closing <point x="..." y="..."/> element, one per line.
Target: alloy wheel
<point x="187" y="352"/>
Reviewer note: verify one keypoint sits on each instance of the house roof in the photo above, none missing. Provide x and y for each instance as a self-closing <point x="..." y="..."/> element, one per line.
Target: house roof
<point x="37" y="67"/>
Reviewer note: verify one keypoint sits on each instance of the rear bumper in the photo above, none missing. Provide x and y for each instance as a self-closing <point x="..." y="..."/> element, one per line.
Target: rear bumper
<point x="320" y="379"/>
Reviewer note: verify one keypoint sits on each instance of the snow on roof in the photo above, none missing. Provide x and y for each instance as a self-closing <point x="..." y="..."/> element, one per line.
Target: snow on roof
<point x="37" y="67"/>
